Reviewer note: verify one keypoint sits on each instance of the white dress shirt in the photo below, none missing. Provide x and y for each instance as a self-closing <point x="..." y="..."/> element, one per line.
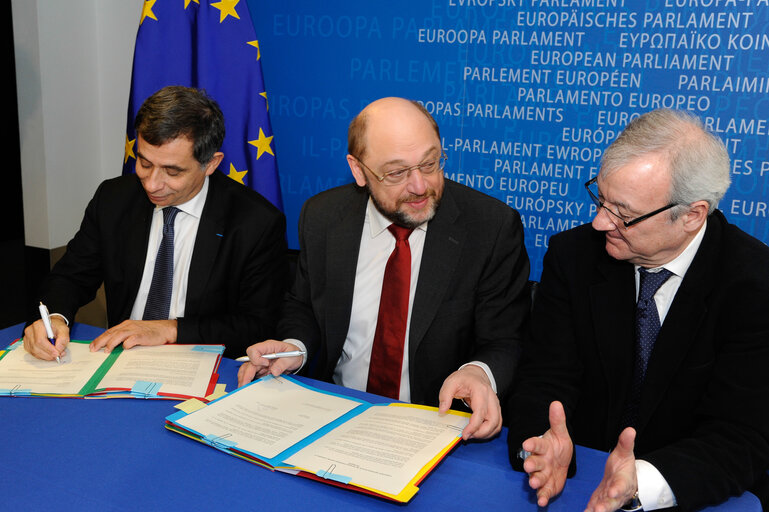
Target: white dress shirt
<point x="185" y="231"/>
<point x="653" y="490"/>
<point x="376" y="245"/>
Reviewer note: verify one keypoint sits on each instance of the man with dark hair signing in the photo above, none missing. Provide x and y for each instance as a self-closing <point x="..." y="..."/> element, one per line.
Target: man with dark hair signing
<point x="650" y="330"/>
<point x="408" y="285"/>
<point x="186" y="254"/>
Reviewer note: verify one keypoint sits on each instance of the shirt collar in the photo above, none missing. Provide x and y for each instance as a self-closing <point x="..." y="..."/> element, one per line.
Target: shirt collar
<point x="378" y="223"/>
<point x="195" y="205"/>
<point x="681" y="263"/>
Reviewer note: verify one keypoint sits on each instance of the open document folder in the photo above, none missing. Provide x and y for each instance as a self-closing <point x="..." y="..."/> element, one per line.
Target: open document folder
<point x="280" y="423"/>
<point x="174" y="372"/>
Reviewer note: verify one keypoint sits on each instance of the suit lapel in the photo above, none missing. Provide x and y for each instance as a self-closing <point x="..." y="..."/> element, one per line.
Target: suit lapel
<point x="678" y="332"/>
<point x="342" y="248"/>
<point x="135" y="235"/>
<point x="612" y="298"/>
<point x="211" y="231"/>
<point x="443" y="246"/>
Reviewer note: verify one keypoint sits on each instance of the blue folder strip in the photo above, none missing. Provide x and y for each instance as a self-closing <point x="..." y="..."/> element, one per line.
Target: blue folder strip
<point x="279" y="459"/>
<point x="15" y="344"/>
<point x="173" y="418"/>
<point x="144" y="389"/>
<point x="333" y="476"/>
<point x="282" y="456"/>
<point x="214" y="349"/>
<point x="218" y="442"/>
<point x="299" y="383"/>
<point x="15" y="392"/>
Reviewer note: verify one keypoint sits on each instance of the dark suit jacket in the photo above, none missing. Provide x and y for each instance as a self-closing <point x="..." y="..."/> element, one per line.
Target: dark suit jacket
<point x="237" y="273"/>
<point x="702" y="420"/>
<point x="470" y="301"/>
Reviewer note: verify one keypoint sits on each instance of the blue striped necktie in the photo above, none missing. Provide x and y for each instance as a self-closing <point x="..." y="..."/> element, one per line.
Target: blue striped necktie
<point x="159" y="297"/>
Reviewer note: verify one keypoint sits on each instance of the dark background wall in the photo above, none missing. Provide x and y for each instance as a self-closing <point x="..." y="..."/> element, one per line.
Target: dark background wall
<point x="13" y="279"/>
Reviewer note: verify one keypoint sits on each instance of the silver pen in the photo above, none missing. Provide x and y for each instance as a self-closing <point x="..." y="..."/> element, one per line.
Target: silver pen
<point x="275" y="355"/>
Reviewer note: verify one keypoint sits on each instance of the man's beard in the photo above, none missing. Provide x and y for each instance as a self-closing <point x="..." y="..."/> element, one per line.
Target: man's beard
<point x="401" y="218"/>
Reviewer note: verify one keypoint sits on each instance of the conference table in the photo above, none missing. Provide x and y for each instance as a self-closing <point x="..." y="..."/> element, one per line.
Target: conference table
<point x="116" y="455"/>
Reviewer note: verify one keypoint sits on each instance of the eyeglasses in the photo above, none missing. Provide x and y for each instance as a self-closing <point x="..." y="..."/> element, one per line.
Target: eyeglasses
<point x="400" y="176"/>
<point x="627" y="223"/>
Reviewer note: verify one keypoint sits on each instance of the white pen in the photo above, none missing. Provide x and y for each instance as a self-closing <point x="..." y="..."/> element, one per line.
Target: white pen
<point x="48" y="329"/>
<point x="276" y="355"/>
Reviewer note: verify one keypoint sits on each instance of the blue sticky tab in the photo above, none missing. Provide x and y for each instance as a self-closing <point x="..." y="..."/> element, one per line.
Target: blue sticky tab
<point x="173" y="418"/>
<point x="15" y="392"/>
<point x="333" y="476"/>
<point x="144" y="389"/>
<point x="219" y="441"/>
<point x="15" y="344"/>
<point x="214" y="349"/>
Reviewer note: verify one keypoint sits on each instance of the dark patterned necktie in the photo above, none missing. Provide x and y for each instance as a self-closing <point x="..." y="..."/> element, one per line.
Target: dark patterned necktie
<point x="647" y="326"/>
<point x="159" y="297"/>
<point x="384" y="373"/>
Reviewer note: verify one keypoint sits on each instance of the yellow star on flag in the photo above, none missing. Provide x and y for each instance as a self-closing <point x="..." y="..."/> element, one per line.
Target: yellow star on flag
<point x="226" y="8"/>
<point x="262" y="144"/>
<point x="187" y="2"/>
<point x="129" y="149"/>
<point x="147" y="11"/>
<point x="255" y="44"/>
<point x="266" y="103"/>
<point x="237" y="175"/>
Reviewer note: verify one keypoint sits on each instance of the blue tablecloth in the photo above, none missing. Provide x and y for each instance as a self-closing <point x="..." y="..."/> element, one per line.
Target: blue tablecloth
<point x="116" y="455"/>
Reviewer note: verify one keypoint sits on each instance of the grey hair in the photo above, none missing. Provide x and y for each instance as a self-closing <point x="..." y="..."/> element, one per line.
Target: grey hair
<point x="699" y="162"/>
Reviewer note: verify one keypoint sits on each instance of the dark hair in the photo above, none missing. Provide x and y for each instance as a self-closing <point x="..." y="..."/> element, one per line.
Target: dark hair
<point x="357" y="130"/>
<point x="176" y="111"/>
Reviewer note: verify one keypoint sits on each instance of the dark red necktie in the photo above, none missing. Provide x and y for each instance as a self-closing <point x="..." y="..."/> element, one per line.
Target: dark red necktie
<point x="384" y="373"/>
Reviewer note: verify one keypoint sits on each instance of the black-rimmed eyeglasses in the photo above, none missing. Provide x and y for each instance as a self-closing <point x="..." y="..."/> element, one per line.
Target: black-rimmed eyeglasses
<point x="627" y="223"/>
<point x="400" y="176"/>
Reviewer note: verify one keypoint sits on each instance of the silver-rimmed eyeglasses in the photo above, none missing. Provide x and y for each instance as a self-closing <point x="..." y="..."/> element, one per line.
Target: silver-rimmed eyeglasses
<point x="400" y="176"/>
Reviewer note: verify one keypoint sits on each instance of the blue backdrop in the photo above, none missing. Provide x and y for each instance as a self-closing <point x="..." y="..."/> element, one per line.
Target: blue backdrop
<point x="527" y="92"/>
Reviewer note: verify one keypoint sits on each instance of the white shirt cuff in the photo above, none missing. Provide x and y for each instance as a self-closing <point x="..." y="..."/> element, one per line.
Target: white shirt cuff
<point x="62" y="317"/>
<point x="487" y="370"/>
<point x="301" y="347"/>
<point x="653" y="490"/>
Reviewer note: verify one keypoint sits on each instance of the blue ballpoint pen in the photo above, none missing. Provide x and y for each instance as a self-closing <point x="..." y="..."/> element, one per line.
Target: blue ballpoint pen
<point x="48" y="329"/>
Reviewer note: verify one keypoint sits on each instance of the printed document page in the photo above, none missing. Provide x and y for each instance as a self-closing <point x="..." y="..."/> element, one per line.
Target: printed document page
<point x="268" y="416"/>
<point x="21" y="371"/>
<point x="181" y="369"/>
<point x="382" y="448"/>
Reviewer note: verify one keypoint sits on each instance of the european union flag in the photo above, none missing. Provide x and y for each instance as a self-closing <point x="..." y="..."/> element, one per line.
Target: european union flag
<point x="212" y="46"/>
